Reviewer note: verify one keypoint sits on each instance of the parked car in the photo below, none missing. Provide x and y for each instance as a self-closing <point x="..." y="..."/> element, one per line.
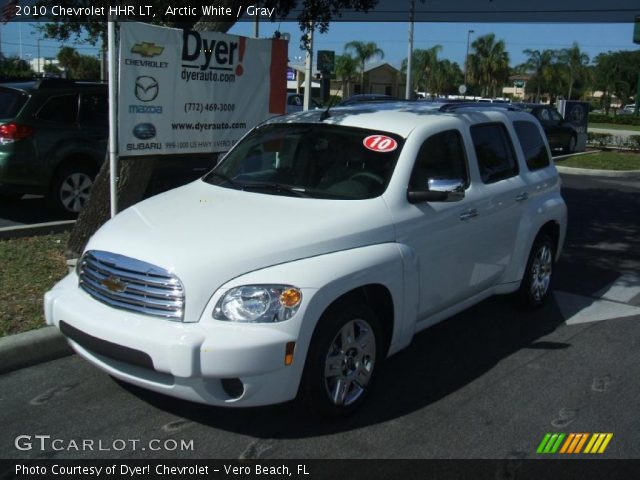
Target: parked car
<point x="295" y="103"/>
<point x="493" y="100"/>
<point x="53" y="137"/>
<point x="317" y="248"/>
<point x="366" y="98"/>
<point x="628" y="109"/>
<point x="560" y="133"/>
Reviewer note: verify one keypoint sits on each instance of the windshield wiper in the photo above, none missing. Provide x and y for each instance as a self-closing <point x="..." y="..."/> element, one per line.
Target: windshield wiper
<point x="278" y="187"/>
<point x="227" y="179"/>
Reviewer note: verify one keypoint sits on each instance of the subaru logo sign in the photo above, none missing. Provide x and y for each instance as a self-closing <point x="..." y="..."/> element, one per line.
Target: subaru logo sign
<point x="146" y="88"/>
<point x="144" y="131"/>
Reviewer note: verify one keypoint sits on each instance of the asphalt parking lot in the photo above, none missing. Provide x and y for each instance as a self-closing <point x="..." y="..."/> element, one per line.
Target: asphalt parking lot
<point x="487" y="383"/>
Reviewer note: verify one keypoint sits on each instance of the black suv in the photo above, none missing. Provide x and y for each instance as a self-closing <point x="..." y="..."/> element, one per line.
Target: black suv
<point x="53" y="138"/>
<point x="560" y="133"/>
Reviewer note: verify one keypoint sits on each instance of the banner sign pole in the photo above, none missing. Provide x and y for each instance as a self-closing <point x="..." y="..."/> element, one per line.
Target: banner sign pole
<point x="113" y="140"/>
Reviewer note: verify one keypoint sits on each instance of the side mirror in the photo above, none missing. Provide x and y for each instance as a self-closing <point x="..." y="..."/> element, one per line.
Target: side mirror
<point x="439" y="190"/>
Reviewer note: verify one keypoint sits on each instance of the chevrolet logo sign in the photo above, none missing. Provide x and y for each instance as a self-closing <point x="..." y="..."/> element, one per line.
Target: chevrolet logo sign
<point x="114" y="284"/>
<point x="147" y="49"/>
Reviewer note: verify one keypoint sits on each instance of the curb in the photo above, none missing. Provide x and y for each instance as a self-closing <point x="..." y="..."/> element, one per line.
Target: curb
<point x="598" y="173"/>
<point x="19" y="231"/>
<point x="33" y="347"/>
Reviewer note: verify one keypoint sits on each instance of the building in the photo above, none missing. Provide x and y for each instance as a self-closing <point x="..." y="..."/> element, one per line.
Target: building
<point x="37" y="64"/>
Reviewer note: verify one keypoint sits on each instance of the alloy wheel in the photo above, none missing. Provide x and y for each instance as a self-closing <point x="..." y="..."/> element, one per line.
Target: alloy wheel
<point x="350" y="362"/>
<point x="75" y="190"/>
<point x="541" y="271"/>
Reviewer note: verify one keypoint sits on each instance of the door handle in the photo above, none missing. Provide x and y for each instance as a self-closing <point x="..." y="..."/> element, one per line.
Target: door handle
<point x="469" y="214"/>
<point x="522" y="197"/>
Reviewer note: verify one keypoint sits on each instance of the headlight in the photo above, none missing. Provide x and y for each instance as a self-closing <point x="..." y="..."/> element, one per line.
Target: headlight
<point x="258" y="303"/>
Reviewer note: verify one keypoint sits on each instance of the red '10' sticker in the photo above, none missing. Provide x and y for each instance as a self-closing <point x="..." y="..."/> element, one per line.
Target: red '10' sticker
<point x="380" y="143"/>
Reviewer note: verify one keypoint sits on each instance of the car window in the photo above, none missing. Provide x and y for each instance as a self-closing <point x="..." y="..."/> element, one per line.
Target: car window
<point x="533" y="146"/>
<point x="441" y="156"/>
<point x="494" y="151"/>
<point x="11" y="102"/>
<point x="555" y="115"/>
<point x="544" y="115"/>
<point x="319" y="161"/>
<point x="94" y="110"/>
<point x="294" y="100"/>
<point x="61" y="109"/>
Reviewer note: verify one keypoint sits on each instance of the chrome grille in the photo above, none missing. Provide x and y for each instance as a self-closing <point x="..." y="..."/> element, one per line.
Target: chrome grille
<point x="130" y="284"/>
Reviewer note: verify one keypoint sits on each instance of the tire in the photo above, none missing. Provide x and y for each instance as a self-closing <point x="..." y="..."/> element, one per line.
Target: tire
<point x="336" y="380"/>
<point x="71" y="187"/>
<point x="537" y="282"/>
<point x="571" y="145"/>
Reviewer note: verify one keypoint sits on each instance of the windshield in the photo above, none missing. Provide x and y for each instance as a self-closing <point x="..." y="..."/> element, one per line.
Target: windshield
<point x="318" y="161"/>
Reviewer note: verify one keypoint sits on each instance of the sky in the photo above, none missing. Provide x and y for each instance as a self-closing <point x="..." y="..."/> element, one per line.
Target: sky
<point x="390" y="37"/>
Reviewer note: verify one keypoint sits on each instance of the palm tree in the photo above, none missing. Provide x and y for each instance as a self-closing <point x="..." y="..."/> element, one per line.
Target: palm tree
<point x="576" y="61"/>
<point x="489" y="63"/>
<point x="540" y="63"/>
<point x="447" y="76"/>
<point x="346" y="70"/>
<point x="424" y="63"/>
<point x="364" y="51"/>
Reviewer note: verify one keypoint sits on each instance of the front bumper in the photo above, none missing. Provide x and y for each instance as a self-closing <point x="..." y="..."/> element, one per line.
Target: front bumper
<point x="185" y="360"/>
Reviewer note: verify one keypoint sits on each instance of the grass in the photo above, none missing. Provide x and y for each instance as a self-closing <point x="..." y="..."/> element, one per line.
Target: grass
<point x="613" y="126"/>
<point x="30" y="267"/>
<point x="603" y="161"/>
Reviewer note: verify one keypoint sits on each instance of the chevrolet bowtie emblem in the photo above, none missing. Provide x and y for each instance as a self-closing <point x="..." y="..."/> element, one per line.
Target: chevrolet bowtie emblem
<point x="147" y="49"/>
<point x="114" y="285"/>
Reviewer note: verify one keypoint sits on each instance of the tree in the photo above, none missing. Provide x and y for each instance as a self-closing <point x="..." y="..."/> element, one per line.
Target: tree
<point x="424" y="62"/>
<point x="446" y="76"/>
<point x="77" y="66"/>
<point x="14" y="67"/>
<point x="616" y="74"/>
<point x="346" y="70"/>
<point x="576" y="61"/>
<point x="540" y="63"/>
<point x="51" y="68"/>
<point x="488" y="64"/>
<point x="364" y="51"/>
<point x="134" y="174"/>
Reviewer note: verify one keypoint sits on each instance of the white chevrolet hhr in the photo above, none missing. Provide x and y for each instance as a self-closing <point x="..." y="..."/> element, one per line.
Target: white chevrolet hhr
<point x="319" y="246"/>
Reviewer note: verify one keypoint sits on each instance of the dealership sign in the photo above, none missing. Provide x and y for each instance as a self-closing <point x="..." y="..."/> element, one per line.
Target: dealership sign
<point x="182" y="91"/>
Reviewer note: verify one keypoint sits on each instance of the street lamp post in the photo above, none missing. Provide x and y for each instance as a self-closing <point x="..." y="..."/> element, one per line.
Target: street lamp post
<point x="466" y="61"/>
<point x="408" y="91"/>
<point x="38" y="43"/>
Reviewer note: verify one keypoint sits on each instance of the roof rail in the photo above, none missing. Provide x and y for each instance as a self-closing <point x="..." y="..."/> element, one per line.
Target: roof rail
<point x="450" y="107"/>
<point x="53" y="83"/>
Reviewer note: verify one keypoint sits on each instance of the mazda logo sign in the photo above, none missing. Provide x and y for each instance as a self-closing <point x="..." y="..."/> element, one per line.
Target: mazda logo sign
<point x="146" y="88"/>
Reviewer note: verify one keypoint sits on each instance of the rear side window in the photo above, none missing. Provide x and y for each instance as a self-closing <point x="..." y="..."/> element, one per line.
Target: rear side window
<point x="94" y="110"/>
<point x="533" y="146"/>
<point x="62" y="109"/>
<point x="10" y="103"/>
<point x="440" y="157"/>
<point x="494" y="151"/>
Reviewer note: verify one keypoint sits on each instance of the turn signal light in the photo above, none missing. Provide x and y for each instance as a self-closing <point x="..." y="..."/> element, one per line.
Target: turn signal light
<point x="290" y="298"/>
<point x="288" y="354"/>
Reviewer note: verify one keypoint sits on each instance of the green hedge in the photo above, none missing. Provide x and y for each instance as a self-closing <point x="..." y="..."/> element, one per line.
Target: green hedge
<point x="607" y="141"/>
<point x="599" y="139"/>
<point x="634" y="142"/>
<point x="618" y="119"/>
